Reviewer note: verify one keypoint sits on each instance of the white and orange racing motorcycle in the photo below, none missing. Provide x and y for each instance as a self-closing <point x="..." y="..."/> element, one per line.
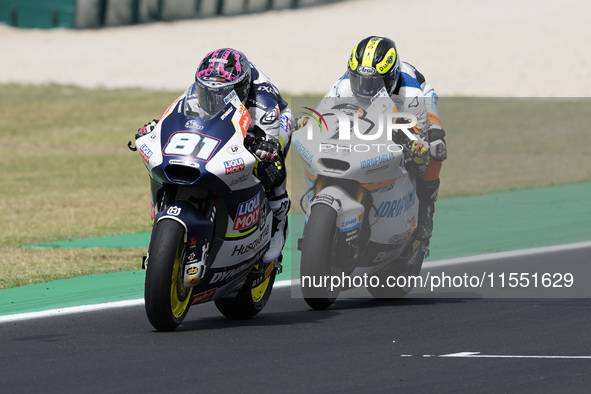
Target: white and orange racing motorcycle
<point x="361" y="204"/>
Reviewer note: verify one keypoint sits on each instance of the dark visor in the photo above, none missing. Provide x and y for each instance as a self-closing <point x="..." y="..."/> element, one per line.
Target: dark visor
<point x="365" y="86"/>
<point x="212" y="99"/>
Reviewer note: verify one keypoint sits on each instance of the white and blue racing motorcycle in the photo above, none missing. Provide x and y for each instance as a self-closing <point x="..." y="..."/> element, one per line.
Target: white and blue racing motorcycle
<point x="211" y="218"/>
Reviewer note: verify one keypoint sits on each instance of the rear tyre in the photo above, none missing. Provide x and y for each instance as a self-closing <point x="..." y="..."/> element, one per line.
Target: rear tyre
<point x="167" y="301"/>
<point x="253" y="295"/>
<point x="403" y="271"/>
<point x="318" y="257"/>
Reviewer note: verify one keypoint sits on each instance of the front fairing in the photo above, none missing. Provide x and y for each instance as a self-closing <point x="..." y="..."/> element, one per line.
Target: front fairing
<point x="184" y="149"/>
<point x="351" y="140"/>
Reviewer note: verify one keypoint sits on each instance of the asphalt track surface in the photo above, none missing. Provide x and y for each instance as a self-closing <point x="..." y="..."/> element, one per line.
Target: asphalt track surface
<point x="457" y="343"/>
<point x="456" y="339"/>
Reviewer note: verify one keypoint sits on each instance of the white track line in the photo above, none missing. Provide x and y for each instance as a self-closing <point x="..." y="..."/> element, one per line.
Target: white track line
<point x="90" y="308"/>
<point x="70" y="310"/>
<point x="287" y="283"/>
<point x="506" y="255"/>
<point x="478" y="355"/>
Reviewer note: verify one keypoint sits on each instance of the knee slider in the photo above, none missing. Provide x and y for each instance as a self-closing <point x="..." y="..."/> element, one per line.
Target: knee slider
<point x="437" y="147"/>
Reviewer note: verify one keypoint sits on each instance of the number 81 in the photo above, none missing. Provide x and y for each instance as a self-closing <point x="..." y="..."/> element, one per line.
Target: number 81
<point x="191" y="144"/>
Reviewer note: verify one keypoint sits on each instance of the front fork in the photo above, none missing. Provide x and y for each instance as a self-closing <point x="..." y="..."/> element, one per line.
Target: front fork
<point x="199" y="232"/>
<point x="352" y="203"/>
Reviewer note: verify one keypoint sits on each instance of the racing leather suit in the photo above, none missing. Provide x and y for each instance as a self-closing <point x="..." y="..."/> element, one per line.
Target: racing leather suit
<point x="272" y="121"/>
<point x="271" y="115"/>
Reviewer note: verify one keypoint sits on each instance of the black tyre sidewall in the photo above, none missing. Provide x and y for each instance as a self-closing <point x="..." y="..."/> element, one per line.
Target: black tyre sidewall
<point x="167" y="235"/>
<point x="316" y="262"/>
<point x="243" y="306"/>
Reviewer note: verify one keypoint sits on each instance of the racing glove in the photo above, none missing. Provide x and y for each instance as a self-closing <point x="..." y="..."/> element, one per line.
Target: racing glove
<point x="436" y="138"/>
<point x="147" y="129"/>
<point x="269" y="167"/>
<point x="301" y="122"/>
<point x="267" y="150"/>
<point x="416" y="152"/>
<point x="419" y="153"/>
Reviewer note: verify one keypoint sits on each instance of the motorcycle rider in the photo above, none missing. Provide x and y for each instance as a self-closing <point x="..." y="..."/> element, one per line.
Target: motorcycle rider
<point x="269" y="134"/>
<point x="411" y="94"/>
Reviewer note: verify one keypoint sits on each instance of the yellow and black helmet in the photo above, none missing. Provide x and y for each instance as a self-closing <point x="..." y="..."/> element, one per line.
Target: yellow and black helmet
<point x="373" y="63"/>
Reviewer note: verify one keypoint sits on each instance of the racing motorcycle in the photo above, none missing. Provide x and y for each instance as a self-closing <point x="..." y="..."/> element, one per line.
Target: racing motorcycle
<point x="361" y="204"/>
<point x="211" y="218"/>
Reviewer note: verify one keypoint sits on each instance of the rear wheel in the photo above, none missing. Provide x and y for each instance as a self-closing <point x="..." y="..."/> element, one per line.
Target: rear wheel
<point x="167" y="300"/>
<point x="404" y="272"/>
<point x="253" y="296"/>
<point x="318" y="257"/>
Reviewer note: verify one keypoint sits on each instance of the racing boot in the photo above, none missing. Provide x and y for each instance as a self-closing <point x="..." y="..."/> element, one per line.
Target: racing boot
<point x="279" y="229"/>
<point x="427" y="194"/>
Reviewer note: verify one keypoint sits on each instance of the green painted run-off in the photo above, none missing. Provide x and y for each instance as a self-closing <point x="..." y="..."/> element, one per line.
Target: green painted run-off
<point x="463" y="227"/>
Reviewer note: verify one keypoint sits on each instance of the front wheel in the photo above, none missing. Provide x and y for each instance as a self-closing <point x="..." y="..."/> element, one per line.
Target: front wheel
<point x="319" y="247"/>
<point x="167" y="300"/>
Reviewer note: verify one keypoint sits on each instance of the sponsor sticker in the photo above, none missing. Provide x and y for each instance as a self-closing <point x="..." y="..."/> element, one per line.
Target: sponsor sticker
<point x="145" y="152"/>
<point x="174" y="211"/>
<point x="206" y="296"/>
<point x="235" y="149"/>
<point x="249" y="247"/>
<point x="247" y="214"/>
<point x="394" y="208"/>
<point x="244" y="120"/>
<point x="193" y="124"/>
<point x="270" y="116"/>
<point x="234" y="166"/>
<point x="229" y="97"/>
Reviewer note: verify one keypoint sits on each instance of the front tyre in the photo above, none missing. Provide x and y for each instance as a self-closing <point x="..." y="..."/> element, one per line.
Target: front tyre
<point x="318" y="257"/>
<point x="167" y="301"/>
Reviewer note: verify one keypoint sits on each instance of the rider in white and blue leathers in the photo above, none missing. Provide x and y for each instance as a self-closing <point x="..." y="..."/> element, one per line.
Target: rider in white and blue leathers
<point x="375" y="62"/>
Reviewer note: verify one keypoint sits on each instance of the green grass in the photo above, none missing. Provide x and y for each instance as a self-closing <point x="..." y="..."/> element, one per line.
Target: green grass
<point x="67" y="172"/>
<point x="509" y="144"/>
